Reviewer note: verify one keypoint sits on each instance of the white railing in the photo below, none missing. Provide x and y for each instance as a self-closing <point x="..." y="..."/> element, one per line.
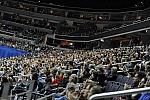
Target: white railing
<point x="119" y="93"/>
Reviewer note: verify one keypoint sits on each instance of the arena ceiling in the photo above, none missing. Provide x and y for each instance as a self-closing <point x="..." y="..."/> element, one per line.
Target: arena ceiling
<point x="100" y="4"/>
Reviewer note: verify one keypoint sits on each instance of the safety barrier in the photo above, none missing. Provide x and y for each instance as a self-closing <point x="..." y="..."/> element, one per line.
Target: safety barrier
<point x="119" y="93"/>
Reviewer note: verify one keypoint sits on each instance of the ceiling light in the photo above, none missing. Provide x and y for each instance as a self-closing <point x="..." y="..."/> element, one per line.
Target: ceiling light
<point x="100" y="17"/>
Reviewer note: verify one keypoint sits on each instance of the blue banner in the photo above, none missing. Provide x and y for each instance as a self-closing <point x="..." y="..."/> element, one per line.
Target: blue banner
<point x="6" y="52"/>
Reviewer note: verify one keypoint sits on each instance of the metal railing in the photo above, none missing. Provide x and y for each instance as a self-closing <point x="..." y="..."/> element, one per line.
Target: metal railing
<point x="119" y="93"/>
<point x="6" y="91"/>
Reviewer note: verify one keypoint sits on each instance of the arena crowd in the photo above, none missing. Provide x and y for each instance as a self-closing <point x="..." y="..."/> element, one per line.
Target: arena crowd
<point x="76" y="74"/>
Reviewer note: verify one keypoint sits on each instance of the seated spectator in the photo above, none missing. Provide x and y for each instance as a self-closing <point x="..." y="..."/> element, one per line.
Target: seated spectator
<point x="138" y="82"/>
<point x="143" y="96"/>
<point x="72" y="94"/>
<point x="72" y="82"/>
<point x="56" y="80"/>
<point x="95" y="90"/>
<point x="47" y="89"/>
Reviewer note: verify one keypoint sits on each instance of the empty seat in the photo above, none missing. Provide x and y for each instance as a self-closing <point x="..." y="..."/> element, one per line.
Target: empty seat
<point x="130" y="81"/>
<point x="108" y="86"/>
<point x="119" y="78"/>
<point x="113" y="86"/>
<point x="125" y="79"/>
<point x="121" y="87"/>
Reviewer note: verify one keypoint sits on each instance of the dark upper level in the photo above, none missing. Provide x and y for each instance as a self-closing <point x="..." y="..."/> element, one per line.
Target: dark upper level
<point x="38" y="20"/>
<point x="101" y="5"/>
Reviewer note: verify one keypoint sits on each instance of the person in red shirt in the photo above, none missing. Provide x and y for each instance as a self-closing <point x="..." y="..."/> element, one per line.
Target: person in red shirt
<point x="58" y="79"/>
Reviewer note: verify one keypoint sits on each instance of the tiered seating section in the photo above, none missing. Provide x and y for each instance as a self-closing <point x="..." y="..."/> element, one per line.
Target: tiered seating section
<point x="61" y="74"/>
<point x="87" y="21"/>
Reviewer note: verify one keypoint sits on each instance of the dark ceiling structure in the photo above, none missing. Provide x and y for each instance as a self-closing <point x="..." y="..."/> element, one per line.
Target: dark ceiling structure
<point x="99" y="4"/>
